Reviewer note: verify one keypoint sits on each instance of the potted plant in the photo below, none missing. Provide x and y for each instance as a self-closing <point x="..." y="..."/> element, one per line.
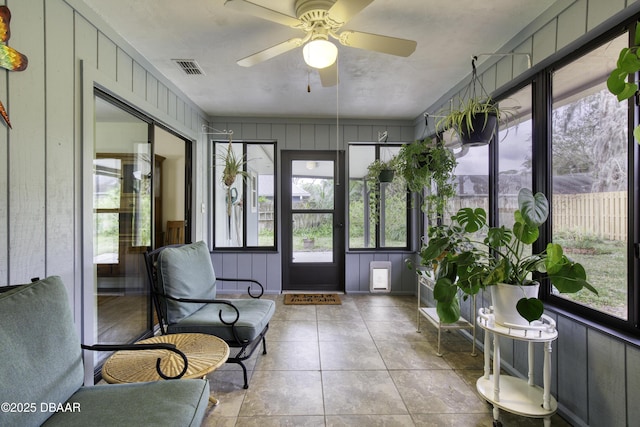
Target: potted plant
<point x="233" y="166"/>
<point x="424" y="163"/>
<point x="474" y="120"/>
<point x="466" y="264"/>
<point x="308" y="242"/>
<point x="475" y="116"/>
<point x="628" y="63"/>
<point x="378" y="172"/>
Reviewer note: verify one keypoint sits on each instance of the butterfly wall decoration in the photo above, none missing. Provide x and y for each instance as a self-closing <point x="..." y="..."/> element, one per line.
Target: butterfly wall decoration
<point x="10" y="58"/>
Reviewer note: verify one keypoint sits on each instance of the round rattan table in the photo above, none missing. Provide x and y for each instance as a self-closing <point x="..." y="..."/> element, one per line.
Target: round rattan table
<point x="204" y="352"/>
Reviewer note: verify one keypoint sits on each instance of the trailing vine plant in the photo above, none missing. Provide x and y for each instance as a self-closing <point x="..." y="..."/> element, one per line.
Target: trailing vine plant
<point x="428" y="165"/>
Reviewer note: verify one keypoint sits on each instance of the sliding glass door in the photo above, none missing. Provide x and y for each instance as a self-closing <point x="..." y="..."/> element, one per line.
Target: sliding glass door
<point x="122" y="229"/>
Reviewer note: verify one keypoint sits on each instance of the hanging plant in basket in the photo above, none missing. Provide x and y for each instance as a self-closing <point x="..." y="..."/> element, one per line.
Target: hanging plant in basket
<point x="378" y="172"/>
<point x="233" y="167"/>
<point x="428" y="165"/>
<point x="475" y="115"/>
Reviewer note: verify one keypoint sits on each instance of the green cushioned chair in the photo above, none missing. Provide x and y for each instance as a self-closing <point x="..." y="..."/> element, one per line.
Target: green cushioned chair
<point x="41" y="372"/>
<point x="184" y="288"/>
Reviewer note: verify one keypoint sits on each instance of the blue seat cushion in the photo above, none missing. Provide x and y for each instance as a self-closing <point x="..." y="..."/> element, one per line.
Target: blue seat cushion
<point x="255" y="315"/>
<point x="185" y="272"/>
<point x="40" y="354"/>
<point x="162" y="403"/>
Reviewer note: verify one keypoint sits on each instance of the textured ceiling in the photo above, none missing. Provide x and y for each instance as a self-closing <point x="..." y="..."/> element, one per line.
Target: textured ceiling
<point x="372" y="85"/>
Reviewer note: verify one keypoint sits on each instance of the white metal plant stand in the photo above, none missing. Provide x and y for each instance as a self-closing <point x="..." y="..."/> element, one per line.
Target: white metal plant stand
<point x="431" y="315"/>
<point x="516" y="395"/>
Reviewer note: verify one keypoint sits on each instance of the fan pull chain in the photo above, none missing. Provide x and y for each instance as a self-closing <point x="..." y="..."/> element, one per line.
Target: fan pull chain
<point x="308" y="81"/>
<point x="338" y="120"/>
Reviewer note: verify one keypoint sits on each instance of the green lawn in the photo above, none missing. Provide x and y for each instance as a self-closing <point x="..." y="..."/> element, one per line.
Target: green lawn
<point x="606" y="264"/>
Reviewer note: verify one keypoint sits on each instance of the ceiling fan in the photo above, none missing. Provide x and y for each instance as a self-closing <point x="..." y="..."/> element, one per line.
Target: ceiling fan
<point x="321" y="19"/>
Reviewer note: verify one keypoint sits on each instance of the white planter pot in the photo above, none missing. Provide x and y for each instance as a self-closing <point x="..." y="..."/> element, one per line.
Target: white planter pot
<point x="504" y="299"/>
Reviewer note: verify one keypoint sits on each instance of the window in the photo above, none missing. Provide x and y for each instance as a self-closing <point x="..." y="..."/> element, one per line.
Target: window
<point x="244" y="207"/>
<point x="514" y="155"/>
<point x="472" y="179"/>
<point x="391" y="229"/>
<point x="590" y="177"/>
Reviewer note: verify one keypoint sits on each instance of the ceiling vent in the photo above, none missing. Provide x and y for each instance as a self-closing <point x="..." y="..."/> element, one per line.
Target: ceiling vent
<point x="189" y="66"/>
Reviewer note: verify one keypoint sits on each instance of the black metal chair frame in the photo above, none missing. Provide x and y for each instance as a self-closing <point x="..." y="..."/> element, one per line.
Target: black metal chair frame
<point x="245" y="348"/>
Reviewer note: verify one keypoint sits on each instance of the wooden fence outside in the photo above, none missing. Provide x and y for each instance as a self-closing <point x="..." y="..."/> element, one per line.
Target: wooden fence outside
<point x="602" y="215"/>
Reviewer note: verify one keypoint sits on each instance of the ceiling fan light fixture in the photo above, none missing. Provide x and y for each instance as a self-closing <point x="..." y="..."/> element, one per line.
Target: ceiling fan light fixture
<point x="320" y="53"/>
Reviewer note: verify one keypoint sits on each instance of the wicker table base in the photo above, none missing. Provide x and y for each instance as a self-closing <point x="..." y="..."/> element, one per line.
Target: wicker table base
<point x="204" y="352"/>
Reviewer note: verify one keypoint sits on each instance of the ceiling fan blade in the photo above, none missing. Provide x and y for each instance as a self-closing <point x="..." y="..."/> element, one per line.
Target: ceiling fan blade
<point x="378" y="43"/>
<point x="271" y="52"/>
<point x="343" y="10"/>
<point x="328" y="75"/>
<point x="263" y="12"/>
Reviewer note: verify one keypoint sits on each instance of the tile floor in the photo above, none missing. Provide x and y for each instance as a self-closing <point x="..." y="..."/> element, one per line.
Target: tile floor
<point x="361" y="363"/>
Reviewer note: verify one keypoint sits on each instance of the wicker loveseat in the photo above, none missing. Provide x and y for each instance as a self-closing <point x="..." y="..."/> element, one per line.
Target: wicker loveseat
<point x="41" y="372"/>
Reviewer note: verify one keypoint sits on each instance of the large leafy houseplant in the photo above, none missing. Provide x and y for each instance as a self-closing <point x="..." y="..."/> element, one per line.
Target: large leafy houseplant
<point x="628" y="63"/>
<point x="427" y="164"/>
<point x="464" y="263"/>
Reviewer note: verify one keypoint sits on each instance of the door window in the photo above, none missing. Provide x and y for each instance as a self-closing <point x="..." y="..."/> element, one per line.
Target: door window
<point x="312" y="202"/>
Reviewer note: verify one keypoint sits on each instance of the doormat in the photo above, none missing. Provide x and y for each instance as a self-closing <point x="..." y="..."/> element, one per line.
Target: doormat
<point x="318" y="299"/>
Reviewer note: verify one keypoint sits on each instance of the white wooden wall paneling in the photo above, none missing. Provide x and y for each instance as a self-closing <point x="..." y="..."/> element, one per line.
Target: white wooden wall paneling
<point x="27" y="179"/>
<point x="181" y="112"/>
<point x="163" y="98"/>
<point x="572" y="371"/>
<point x="264" y="131"/>
<point x="598" y="11"/>
<point x="279" y="134"/>
<point x="294" y="136"/>
<point x="139" y="81"/>
<point x="259" y="269"/>
<point x="244" y="269"/>
<point x="307" y="137"/>
<point x="543" y="43"/>
<point x="632" y="361"/>
<point x="571" y="24"/>
<point x="172" y="105"/>
<point x="62" y="224"/>
<point x="124" y="70"/>
<point x="107" y="57"/>
<point x="85" y="48"/>
<point x="152" y="90"/>
<point x="606" y="375"/>
<point x="249" y="131"/>
<point x="321" y="137"/>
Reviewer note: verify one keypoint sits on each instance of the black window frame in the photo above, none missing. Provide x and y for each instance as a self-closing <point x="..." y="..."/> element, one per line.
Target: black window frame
<point x="631" y="324"/>
<point x="245" y="191"/>
<point x="377" y="232"/>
